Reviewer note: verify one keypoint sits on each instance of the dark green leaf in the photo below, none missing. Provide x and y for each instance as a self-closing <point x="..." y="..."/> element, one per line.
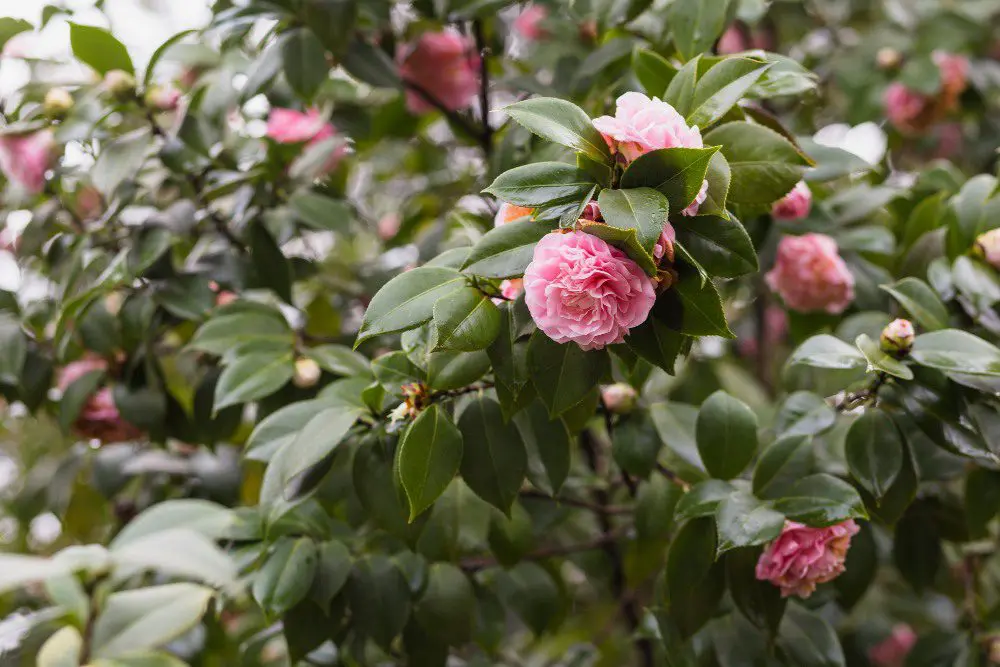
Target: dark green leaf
<point x="695" y="583"/>
<point x="407" y="301"/>
<point x="696" y="24"/>
<point x="641" y="209"/>
<point x="807" y="640"/>
<point x="332" y="21"/>
<point x="764" y="165"/>
<point x="13" y="350"/>
<point x="379" y="598"/>
<point x="625" y="239"/>
<point x="286" y="576"/>
<point x="821" y="500"/>
<point x="874" y="450"/>
<point x="429" y="456"/>
<point x="494" y="461"/>
<point x="727" y="435"/>
<point x="804" y="413"/>
<point x="563" y="123"/>
<point x="76" y="395"/>
<point x="653" y="71"/>
<point x="505" y="251"/>
<point x="826" y="351"/>
<point x="549" y="440"/>
<point x="702" y="499"/>
<point x="542" y="184"/>
<point x="952" y="350"/>
<point x="721" y="87"/>
<point x="759" y="601"/>
<point x="252" y="377"/>
<point x="745" y="521"/>
<point x="304" y="62"/>
<point x="721" y="245"/>
<point x="782" y="465"/>
<point x="446" y="610"/>
<point x="678" y="173"/>
<point x="321" y="212"/>
<point x="465" y="320"/>
<point x="635" y="445"/>
<point x="916" y="548"/>
<point x="98" y="48"/>
<point x="563" y="374"/>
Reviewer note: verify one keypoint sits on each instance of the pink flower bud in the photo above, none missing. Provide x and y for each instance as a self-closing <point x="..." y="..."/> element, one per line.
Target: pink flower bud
<point x="905" y="108"/>
<point x="795" y="205"/>
<point x="897" y="337"/>
<point x="529" y="23"/>
<point x="24" y="158"/>
<point x="307" y="373"/>
<point x="162" y="99"/>
<point x="510" y="213"/>
<point x="810" y="276"/>
<point x="619" y="398"/>
<point x="802" y="557"/>
<point x="988" y="247"/>
<point x="954" y="71"/>
<point x="892" y="651"/>
<point x="388" y="226"/>
<point x="888" y="58"/>
<point x="732" y="41"/>
<point x="58" y="103"/>
<point x="642" y="124"/>
<point x="288" y="126"/>
<point x="592" y="212"/>
<point x="119" y="83"/>
<point x="511" y="289"/>
<point x="443" y="65"/>
<point x="580" y="289"/>
<point x="664" y="247"/>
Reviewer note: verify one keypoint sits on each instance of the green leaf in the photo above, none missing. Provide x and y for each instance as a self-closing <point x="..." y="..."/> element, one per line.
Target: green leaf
<point x="624" y="239"/>
<point x="721" y="245"/>
<point x="321" y="212"/>
<point x="281" y="427"/>
<point x="702" y="499"/>
<point x="446" y="610"/>
<point x="98" y="48"/>
<point x="764" y="165"/>
<point x="635" y="445"/>
<point x="453" y="370"/>
<point x="147" y="77"/>
<point x="916" y="547"/>
<point x="273" y="269"/>
<point x="339" y="360"/>
<point x="721" y="87"/>
<point x="657" y="343"/>
<point x="641" y="209"/>
<point x="542" y="184"/>
<point x="678" y="173"/>
<point x="178" y="552"/>
<point x="695" y="583"/>
<point x="379" y="598"/>
<point x="874" y="451"/>
<point x="982" y="500"/>
<point x="333" y="567"/>
<point x="821" y="500"/>
<point x="880" y="361"/>
<point x="370" y="64"/>
<point x="202" y="516"/>
<point x="466" y="320"/>
<point x="759" y="601"/>
<point x="243" y="332"/>
<point x="680" y="92"/>
<point x="921" y="302"/>
<point x="727" y="435"/>
<point x="505" y="251"/>
<point x="13" y="350"/>
<point x="719" y="177"/>
<point x="549" y="440"/>
<point x="653" y="71"/>
<point x="956" y="351"/>
<point x="407" y="301"/>
<point x="76" y="395"/>
<point x="693" y="308"/>
<point x="532" y="593"/>
<point x="806" y="639"/>
<point x="62" y="649"/>
<point x="120" y="160"/>
<point x="395" y="369"/>
<point x="10" y="27"/>
<point x="145" y="618"/>
<point x="252" y="377"/>
<point x="563" y="374"/>
<point x="826" y="351"/>
<point x="696" y="24"/>
<point x="494" y="460"/>
<point x="332" y="21"/>
<point x="286" y="576"/>
<point x="304" y="62"/>
<point x="804" y="413"/>
<point x="430" y="454"/>
<point x="561" y="122"/>
<point x="745" y="521"/>
<point x="782" y="465"/>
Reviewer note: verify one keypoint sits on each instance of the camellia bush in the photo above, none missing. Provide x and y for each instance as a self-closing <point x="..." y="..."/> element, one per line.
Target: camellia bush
<point x="475" y="332"/>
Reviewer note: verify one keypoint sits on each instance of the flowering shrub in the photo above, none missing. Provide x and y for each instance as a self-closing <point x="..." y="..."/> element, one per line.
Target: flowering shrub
<point x="490" y="333"/>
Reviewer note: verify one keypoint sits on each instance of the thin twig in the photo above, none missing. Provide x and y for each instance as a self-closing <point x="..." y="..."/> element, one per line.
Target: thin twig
<point x="458" y="119"/>
<point x="856" y="399"/>
<point x="481" y="563"/>
<point x="672" y="476"/>
<point x="452" y="393"/>
<point x="575" y="502"/>
<point x="486" y="138"/>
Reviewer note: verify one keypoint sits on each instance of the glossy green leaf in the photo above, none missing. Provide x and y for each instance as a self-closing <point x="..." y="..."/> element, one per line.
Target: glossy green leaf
<point x="804" y="413"/>
<point x="430" y="454"/>
<point x="641" y="209"/>
<point x="952" y="350"/>
<point x="759" y="601"/>
<point x="702" y="499"/>
<point x="561" y="122"/>
<point x="784" y="462"/>
<point x="921" y="302"/>
<point x="304" y="61"/>
<point x="542" y="184"/>
<point x="721" y="245"/>
<point x="721" y="87"/>
<point x="678" y="173"/>
<point x="727" y="435"/>
<point x="504" y="252"/>
<point x="653" y="71"/>
<point x="826" y="351"/>
<point x="466" y="320"/>
<point x="806" y="639"/>
<point x="253" y="377"/>
<point x="821" y="500"/>
<point x="694" y="582"/>
<point x="98" y="48"/>
<point x="145" y="618"/>
<point x="494" y="461"/>
<point x="745" y="521"/>
<point x="563" y="374"/>
<point x="446" y="610"/>
<point x="407" y="301"/>
<point x="879" y="361"/>
<point x="764" y="165"/>
<point x="874" y="450"/>
<point x="696" y="24"/>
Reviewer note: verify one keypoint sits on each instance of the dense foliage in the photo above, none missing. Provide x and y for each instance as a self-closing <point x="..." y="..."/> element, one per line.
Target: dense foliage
<point x="470" y="332"/>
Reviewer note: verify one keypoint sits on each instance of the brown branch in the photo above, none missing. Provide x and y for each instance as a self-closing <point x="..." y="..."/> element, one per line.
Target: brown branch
<point x="481" y="563"/>
<point x="856" y="399"/>
<point x="458" y="119"/>
<point x="574" y="502"/>
<point x="452" y="393"/>
<point x="672" y="476"/>
<point x="486" y="138"/>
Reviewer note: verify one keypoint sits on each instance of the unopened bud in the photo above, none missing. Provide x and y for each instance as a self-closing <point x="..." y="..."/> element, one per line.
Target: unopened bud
<point x="57" y="103"/>
<point x="591" y="212"/>
<point x="897" y="337"/>
<point x="588" y="31"/>
<point x="988" y="247"/>
<point x="307" y="373"/>
<point x="162" y="99"/>
<point x="619" y="398"/>
<point x="888" y="58"/>
<point x="120" y="84"/>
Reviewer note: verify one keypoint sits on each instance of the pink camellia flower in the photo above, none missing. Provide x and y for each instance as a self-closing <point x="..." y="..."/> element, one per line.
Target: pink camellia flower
<point x="732" y="41"/>
<point x="510" y="213"/>
<point x="288" y="126"/>
<point x="665" y="245"/>
<point x="988" y="247"/>
<point x="528" y="23"/>
<point x="592" y="212"/>
<point x="954" y="71"/>
<point x="905" y="107"/>
<point x="99" y="417"/>
<point x="892" y="651"/>
<point x="810" y="275"/>
<point x="24" y="158"/>
<point x="512" y="288"/>
<point x="578" y="288"/>
<point x="444" y="65"/>
<point x="802" y="557"/>
<point x="795" y="205"/>
<point x="642" y="124"/>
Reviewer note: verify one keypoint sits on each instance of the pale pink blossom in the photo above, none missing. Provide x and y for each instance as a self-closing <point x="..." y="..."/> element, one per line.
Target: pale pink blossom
<point x="528" y="23"/>
<point x="444" y="65"/>
<point x="510" y="213"/>
<point x="802" y="557"/>
<point x="24" y="158"/>
<point x="905" y="107"/>
<point x="388" y="226"/>
<point x="98" y="417"/>
<point x="288" y="126"/>
<point x="988" y="246"/>
<point x="892" y="651"/>
<point x="732" y="41"/>
<point x="580" y="289"/>
<point x="810" y="275"/>
<point x="642" y="124"/>
<point x="512" y="288"/>
<point x="954" y="71"/>
<point x="795" y="205"/>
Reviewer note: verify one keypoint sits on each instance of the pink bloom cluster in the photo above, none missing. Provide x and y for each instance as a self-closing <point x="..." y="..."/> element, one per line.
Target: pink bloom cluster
<point x="911" y="111"/>
<point x="642" y="124"/>
<point x="528" y="23"/>
<point x="444" y="65"/>
<point x="892" y="651"/>
<point x="288" y="126"/>
<point x="795" y="205"/>
<point x="904" y="107"/>
<point x="580" y="289"/>
<point x="810" y="275"/>
<point x="99" y="417"/>
<point x="24" y="158"/>
<point x="802" y="557"/>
